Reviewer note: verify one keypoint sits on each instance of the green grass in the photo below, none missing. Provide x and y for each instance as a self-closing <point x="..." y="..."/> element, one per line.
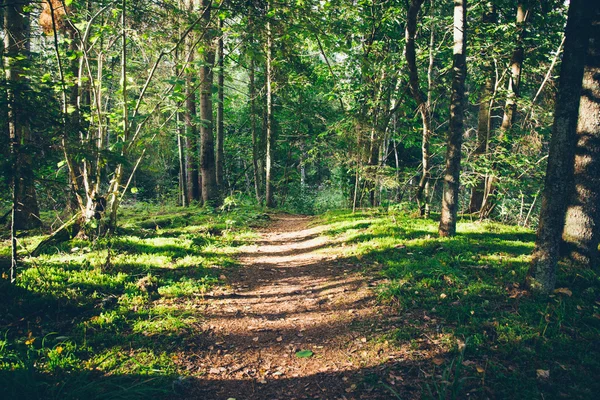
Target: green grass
<point x="105" y="319"/>
<point x="470" y="288"/>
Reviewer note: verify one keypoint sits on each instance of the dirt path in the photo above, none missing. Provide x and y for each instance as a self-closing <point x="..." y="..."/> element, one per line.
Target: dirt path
<point x="293" y="293"/>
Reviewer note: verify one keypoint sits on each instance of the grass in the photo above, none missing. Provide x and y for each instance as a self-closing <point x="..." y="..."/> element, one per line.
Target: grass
<point x="110" y="318"/>
<point x="107" y="319"/>
<point x="469" y="289"/>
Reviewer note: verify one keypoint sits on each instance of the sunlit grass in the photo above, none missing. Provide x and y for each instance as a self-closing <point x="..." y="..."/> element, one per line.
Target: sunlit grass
<point x="96" y="310"/>
<point x="471" y="288"/>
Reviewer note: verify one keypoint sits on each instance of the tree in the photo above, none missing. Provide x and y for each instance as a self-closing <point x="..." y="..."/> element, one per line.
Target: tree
<point x="581" y="234"/>
<point x="559" y="172"/>
<point x="422" y="103"/>
<point x="16" y="45"/>
<point x="490" y="16"/>
<point x="457" y="110"/>
<point x="220" y="156"/>
<point x="516" y="67"/>
<point x="210" y="194"/>
<point x="270" y="135"/>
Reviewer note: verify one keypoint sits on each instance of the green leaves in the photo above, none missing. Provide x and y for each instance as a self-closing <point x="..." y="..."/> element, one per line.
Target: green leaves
<point x="304" y="354"/>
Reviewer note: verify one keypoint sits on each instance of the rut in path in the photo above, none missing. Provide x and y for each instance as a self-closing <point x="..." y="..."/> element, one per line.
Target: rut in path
<point x="292" y="293"/>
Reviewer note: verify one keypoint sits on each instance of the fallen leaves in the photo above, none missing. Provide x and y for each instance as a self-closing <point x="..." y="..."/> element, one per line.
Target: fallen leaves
<point x="542" y="373"/>
<point x="438" y="361"/>
<point x="564" y="291"/>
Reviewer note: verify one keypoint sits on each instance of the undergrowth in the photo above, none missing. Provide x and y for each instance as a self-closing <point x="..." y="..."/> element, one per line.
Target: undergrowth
<point x="107" y="319"/>
<point x="470" y="288"/>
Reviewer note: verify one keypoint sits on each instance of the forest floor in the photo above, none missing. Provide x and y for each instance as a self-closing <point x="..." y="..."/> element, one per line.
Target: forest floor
<point x="239" y="304"/>
<point x="292" y="294"/>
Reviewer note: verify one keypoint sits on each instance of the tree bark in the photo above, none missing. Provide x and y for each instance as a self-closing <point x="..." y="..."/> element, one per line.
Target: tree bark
<point x="191" y="130"/>
<point x="457" y="110"/>
<point x="210" y="193"/>
<point x="16" y="44"/>
<point x="255" y="136"/>
<point x="559" y="172"/>
<point x="220" y="125"/>
<point x="270" y="139"/>
<point x="421" y="100"/>
<point x="581" y="234"/>
<point x="483" y="122"/>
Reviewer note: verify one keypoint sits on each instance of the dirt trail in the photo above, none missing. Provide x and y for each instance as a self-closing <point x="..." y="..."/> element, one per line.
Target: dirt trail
<point x="292" y="293"/>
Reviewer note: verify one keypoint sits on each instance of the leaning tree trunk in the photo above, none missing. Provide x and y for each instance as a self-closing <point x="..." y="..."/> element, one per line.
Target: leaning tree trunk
<point x="559" y="172"/>
<point x="457" y="110"/>
<point x="581" y="233"/>
<point x="16" y="45"/>
<point x="270" y="139"/>
<point x="483" y="123"/>
<point x="220" y="126"/>
<point x="422" y="103"/>
<point x="210" y="194"/>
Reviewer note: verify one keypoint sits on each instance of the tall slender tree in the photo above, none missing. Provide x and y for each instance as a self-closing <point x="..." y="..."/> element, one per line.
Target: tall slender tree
<point x="270" y="136"/>
<point x="210" y="194"/>
<point x="516" y="68"/>
<point x="220" y="156"/>
<point x="190" y="117"/>
<point x="457" y="110"/>
<point x="422" y="103"/>
<point x="490" y="16"/>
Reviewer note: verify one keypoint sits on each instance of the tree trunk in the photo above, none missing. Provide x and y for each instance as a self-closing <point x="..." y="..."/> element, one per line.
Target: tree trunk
<point x="559" y="172"/>
<point x="210" y="194"/>
<point x="220" y="126"/>
<point x="16" y="45"/>
<point x="191" y="131"/>
<point x="581" y="234"/>
<point x="270" y="139"/>
<point x="516" y="65"/>
<point x="421" y="100"/>
<point x="255" y="136"/>
<point x="457" y="109"/>
<point x="483" y="123"/>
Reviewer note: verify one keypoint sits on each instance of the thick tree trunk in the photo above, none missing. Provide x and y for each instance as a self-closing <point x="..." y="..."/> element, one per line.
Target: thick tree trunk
<point x="516" y="66"/>
<point x="559" y="172"/>
<point x="16" y="45"/>
<point x="483" y="122"/>
<point x="581" y="233"/>
<point x="210" y="193"/>
<point x="422" y="103"/>
<point x="220" y="125"/>
<point x="457" y="110"/>
<point x="270" y="139"/>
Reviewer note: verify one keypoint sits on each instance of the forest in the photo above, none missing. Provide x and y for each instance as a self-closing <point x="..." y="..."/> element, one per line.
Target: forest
<point x="300" y="199"/>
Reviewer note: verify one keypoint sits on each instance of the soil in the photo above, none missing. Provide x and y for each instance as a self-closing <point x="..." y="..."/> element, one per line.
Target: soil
<point x="294" y="292"/>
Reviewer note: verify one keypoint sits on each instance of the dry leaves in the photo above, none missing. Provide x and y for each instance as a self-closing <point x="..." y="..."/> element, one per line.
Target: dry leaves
<point x="563" y="291"/>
